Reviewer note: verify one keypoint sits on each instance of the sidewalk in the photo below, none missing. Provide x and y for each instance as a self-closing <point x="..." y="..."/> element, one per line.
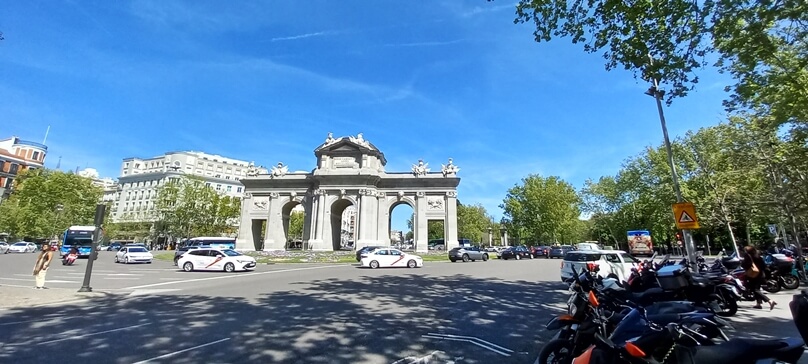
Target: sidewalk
<point x="20" y="297"/>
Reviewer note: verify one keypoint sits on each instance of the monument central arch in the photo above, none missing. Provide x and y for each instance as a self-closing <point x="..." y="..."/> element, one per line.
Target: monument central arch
<point x="350" y="172"/>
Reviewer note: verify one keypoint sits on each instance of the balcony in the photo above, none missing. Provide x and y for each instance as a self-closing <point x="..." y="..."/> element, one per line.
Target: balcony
<point x="31" y="144"/>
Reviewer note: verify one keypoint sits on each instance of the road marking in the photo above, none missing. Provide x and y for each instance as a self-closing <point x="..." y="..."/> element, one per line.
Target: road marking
<point x="49" y="281"/>
<point x="472" y="340"/>
<point x="233" y="276"/>
<point x="123" y="274"/>
<point x="80" y="336"/>
<point x="182" y="351"/>
<point x="36" y="320"/>
<point x="122" y="278"/>
<point x="142" y="292"/>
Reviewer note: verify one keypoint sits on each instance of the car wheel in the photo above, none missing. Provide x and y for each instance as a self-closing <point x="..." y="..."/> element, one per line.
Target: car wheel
<point x="465" y="258"/>
<point x="518" y="257"/>
<point x="116" y="259"/>
<point x="412" y="264"/>
<point x="453" y="260"/>
<point x="229" y="268"/>
<point x="188" y="266"/>
<point x="125" y="260"/>
<point x="374" y="264"/>
<point x="485" y="257"/>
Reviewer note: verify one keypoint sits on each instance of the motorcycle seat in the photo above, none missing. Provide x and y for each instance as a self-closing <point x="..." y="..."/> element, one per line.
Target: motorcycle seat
<point x="647" y="297"/>
<point x="661" y="308"/>
<point x="747" y="350"/>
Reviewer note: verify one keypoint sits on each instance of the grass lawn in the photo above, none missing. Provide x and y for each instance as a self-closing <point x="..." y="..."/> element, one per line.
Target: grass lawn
<point x="297" y="256"/>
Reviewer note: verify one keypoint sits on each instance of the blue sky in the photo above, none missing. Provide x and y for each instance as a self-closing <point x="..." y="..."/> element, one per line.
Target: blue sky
<point x="266" y="81"/>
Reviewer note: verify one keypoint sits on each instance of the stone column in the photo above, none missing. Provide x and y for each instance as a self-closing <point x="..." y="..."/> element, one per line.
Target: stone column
<point x="450" y="221"/>
<point x="275" y="236"/>
<point x="368" y="218"/>
<point x="383" y="222"/>
<point x="245" y="239"/>
<point x="318" y="219"/>
<point x="505" y="238"/>
<point x="420" y="225"/>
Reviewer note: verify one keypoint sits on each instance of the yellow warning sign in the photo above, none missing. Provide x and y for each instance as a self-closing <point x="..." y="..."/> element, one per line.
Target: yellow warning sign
<point x="684" y="213"/>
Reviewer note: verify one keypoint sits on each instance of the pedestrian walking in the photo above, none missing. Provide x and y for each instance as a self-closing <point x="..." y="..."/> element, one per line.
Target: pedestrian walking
<point x="755" y="273"/>
<point x="43" y="261"/>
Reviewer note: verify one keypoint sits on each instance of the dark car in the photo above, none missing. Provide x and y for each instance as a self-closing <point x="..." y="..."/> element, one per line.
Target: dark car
<point x="113" y="247"/>
<point x="559" y="251"/>
<point x="365" y="250"/>
<point x="540" y="251"/>
<point x="516" y="252"/>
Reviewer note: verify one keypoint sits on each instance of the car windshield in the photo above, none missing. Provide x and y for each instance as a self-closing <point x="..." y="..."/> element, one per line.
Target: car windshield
<point x="231" y="253"/>
<point x="138" y="250"/>
<point x="20" y="244"/>
<point x="581" y="257"/>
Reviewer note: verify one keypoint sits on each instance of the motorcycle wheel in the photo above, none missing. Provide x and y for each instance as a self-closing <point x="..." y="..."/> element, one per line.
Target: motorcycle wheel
<point x="558" y="351"/>
<point x="771" y="285"/>
<point x="791" y="282"/>
<point x="729" y="307"/>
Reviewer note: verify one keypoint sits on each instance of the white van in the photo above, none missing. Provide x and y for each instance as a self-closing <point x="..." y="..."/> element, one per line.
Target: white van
<point x="609" y="261"/>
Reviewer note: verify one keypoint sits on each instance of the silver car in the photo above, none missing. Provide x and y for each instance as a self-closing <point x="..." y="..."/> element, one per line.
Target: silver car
<point x="467" y="253"/>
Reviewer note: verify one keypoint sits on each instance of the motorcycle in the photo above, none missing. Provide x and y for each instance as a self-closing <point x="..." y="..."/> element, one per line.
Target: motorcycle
<point x="70" y="258"/>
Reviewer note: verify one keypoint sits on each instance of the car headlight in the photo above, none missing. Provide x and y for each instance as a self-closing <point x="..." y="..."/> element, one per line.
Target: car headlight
<point x="244" y="261"/>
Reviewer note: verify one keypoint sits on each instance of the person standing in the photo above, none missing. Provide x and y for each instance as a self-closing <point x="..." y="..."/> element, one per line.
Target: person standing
<point x="43" y="261"/>
<point x="754" y="268"/>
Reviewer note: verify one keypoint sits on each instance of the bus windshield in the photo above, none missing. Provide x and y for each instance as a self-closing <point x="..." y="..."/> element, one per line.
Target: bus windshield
<point x="78" y="238"/>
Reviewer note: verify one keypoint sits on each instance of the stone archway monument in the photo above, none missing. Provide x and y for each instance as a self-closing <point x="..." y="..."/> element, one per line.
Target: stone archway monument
<point x="350" y="172"/>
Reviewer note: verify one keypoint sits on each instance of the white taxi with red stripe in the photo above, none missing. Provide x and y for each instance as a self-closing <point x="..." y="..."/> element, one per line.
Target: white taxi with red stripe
<point x="227" y="260"/>
<point x="388" y="258"/>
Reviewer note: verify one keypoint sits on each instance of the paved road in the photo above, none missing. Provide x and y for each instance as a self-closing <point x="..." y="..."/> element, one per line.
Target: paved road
<point x="481" y="312"/>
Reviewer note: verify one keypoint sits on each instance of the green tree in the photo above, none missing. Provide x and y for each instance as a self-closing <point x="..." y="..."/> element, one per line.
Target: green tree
<point x="472" y="222"/>
<point x="544" y="208"/>
<point x="187" y="207"/>
<point x="296" y="219"/>
<point x="45" y="202"/>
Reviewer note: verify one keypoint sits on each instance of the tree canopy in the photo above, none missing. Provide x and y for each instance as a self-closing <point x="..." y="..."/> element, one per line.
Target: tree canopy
<point x="45" y="202"/>
<point x="543" y="209"/>
<point x="187" y="207"/>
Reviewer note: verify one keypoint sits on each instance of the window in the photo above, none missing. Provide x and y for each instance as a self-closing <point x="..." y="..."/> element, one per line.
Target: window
<point x="218" y="187"/>
<point x="13" y="169"/>
<point x="200" y="252"/>
<point x="9" y="182"/>
<point x="226" y="177"/>
<point x="126" y="165"/>
<point x="36" y="156"/>
<point x="2" y="166"/>
<point x="238" y="189"/>
<point x="612" y="258"/>
<point x="629" y="259"/>
<point x="207" y="184"/>
<point x="229" y="188"/>
<point x="137" y="165"/>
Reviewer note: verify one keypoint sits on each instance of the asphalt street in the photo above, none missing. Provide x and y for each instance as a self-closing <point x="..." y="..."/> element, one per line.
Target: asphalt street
<point x="477" y="312"/>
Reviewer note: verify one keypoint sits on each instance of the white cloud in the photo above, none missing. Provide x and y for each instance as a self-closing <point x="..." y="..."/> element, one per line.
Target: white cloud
<point x="301" y="36"/>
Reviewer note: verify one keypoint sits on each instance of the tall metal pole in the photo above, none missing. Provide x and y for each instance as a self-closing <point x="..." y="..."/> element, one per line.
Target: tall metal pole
<point x="658" y="94"/>
<point x="99" y="220"/>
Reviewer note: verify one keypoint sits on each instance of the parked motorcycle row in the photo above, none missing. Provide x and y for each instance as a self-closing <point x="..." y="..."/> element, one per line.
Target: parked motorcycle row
<point x="663" y="314"/>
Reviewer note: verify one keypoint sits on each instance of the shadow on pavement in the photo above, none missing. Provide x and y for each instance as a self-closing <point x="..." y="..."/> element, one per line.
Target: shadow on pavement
<point x="379" y="319"/>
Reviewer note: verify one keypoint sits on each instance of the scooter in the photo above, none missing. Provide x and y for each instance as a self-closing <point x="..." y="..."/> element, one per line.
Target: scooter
<point x="69" y="259"/>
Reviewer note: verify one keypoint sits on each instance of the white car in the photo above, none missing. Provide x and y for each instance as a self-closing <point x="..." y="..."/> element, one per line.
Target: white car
<point x="386" y="257"/>
<point x="227" y="260"/>
<point x="4" y="247"/>
<point x="133" y="254"/>
<point x="615" y="262"/>
<point x="22" y="247"/>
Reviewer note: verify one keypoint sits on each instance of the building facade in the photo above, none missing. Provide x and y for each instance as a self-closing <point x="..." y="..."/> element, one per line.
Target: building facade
<point x="17" y="155"/>
<point x="140" y="179"/>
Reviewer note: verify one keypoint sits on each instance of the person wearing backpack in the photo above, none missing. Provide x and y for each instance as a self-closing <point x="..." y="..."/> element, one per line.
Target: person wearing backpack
<point x="754" y="268"/>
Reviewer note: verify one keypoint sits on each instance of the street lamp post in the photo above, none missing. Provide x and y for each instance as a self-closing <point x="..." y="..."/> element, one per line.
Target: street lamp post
<point x="490" y="237"/>
<point x="658" y="94"/>
<point x="59" y="208"/>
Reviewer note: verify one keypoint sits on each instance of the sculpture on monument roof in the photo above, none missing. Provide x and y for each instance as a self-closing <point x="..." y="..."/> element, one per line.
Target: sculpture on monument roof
<point x="449" y="169"/>
<point x="421" y="168"/>
<point x="280" y="170"/>
<point x="330" y="139"/>
<point x="252" y="170"/>
<point x="360" y="139"/>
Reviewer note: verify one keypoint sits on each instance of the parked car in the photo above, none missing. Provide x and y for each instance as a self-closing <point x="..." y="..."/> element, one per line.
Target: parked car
<point x="540" y="251"/>
<point x="4" y="247"/>
<point x="468" y="253"/>
<point x="114" y="247"/>
<point x="227" y="260"/>
<point x="615" y="262"/>
<point x="22" y="247"/>
<point x="559" y="251"/>
<point x="133" y="254"/>
<point x="385" y="257"/>
<point x="364" y="250"/>
<point x="516" y="252"/>
<point x="587" y="246"/>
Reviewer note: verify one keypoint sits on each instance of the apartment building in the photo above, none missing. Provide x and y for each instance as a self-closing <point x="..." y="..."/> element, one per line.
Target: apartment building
<point x="140" y="179"/>
<point x="17" y="155"/>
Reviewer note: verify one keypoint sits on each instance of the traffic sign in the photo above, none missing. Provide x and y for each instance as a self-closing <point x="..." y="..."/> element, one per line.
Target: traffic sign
<point x="772" y="229"/>
<point x="684" y="213"/>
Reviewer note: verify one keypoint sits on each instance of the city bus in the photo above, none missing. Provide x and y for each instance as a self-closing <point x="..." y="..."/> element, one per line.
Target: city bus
<point x="213" y="242"/>
<point x="79" y="237"/>
<point x="640" y="243"/>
